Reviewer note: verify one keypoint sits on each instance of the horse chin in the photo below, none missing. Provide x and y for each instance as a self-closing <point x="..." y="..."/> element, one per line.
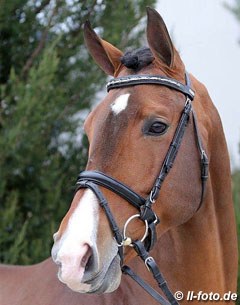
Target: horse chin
<point x="105" y="281"/>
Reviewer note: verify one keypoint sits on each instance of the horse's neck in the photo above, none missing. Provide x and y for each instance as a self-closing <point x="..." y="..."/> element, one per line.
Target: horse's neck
<point x="38" y="284"/>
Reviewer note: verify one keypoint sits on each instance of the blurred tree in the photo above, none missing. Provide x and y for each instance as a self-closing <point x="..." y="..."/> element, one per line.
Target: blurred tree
<point x="47" y="81"/>
<point x="234" y="8"/>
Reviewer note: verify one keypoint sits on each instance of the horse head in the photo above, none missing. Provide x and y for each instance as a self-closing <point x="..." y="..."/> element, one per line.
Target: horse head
<point x="129" y="133"/>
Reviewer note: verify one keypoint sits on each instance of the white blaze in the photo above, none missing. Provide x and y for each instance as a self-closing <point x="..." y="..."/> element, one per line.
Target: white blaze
<point x="81" y="230"/>
<point x="82" y="224"/>
<point x="120" y="103"/>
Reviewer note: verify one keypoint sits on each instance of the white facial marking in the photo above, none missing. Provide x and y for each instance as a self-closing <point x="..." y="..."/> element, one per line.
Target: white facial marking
<point x="120" y="103"/>
<point x="71" y="248"/>
<point x="82" y="224"/>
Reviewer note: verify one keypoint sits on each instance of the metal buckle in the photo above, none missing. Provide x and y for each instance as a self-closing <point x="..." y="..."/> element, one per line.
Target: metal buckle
<point x="152" y="200"/>
<point x="156" y="219"/>
<point x="148" y="259"/>
<point x="188" y="106"/>
<point x="127" y="241"/>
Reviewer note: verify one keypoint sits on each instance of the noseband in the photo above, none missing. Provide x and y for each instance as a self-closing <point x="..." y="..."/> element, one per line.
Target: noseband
<point x="93" y="179"/>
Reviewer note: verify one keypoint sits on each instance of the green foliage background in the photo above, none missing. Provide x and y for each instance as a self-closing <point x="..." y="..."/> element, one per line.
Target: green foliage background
<point x="236" y="198"/>
<point x="47" y="83"/>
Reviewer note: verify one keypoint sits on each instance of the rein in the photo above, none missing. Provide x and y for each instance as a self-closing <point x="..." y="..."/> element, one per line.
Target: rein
<point x="93" y="179"/>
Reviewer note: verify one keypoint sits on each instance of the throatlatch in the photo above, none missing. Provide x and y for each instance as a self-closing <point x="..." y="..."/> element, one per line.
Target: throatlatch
<point x="93" y="179"/>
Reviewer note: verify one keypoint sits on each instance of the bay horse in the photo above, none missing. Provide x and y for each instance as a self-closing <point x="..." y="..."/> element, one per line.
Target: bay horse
<point x="155" y="118"/>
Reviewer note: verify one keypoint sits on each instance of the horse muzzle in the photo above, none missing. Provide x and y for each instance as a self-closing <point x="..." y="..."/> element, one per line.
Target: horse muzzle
<point x="83" y="271"/>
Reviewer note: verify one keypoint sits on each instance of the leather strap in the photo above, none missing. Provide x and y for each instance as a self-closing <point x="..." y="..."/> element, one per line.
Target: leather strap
<point x="113" y="185"/>
<point x="141" y="79"/>
<point x="104" y="204"/>
<point x="153" y="268"/>
<point x="203" y="159"/>
<point x="152" y="235"/>
<point x="152" y="292"/>
<point x="169" y="159"/>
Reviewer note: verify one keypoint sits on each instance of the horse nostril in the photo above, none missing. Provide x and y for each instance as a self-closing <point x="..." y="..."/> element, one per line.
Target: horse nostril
<point x="87" y="258"/>
<point x="58" y="263"/>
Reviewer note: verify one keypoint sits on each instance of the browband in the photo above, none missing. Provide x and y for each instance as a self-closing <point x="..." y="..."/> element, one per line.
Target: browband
<point x="142" y="79"/>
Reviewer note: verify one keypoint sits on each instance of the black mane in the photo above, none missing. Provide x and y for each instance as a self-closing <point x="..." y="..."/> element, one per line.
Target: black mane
<point x="137" y="59"/>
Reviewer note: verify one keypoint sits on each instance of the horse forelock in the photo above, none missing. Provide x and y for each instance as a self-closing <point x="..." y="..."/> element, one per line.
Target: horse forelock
<point x="137" y="59"/>
<point x="141" y="58"/>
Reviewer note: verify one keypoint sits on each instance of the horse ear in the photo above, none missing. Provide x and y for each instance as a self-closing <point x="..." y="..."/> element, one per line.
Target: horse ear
<point x="106" y="55"/>
<point x="158" y="37"/>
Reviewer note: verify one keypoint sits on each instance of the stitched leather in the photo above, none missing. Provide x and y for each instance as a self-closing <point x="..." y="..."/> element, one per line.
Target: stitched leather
<point x="141" y="79"/>
<point x="113" y="185"/>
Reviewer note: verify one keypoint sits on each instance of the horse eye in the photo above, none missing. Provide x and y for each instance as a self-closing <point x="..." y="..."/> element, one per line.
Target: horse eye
<point x="157" y="128"/>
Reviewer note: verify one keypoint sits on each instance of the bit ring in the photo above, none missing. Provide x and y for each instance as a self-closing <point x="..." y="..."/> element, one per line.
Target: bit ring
<point x="128" y="240"/>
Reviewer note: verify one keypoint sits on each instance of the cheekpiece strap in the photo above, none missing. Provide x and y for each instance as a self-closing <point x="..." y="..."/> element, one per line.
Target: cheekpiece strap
<point x="142" y="79"/>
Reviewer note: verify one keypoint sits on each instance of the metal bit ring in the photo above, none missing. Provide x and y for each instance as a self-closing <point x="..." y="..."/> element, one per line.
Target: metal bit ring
<point x="127" y="241"/>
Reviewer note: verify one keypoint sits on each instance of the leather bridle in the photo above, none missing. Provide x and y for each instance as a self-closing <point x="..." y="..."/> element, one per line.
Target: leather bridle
<point x="93" y="179"/>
